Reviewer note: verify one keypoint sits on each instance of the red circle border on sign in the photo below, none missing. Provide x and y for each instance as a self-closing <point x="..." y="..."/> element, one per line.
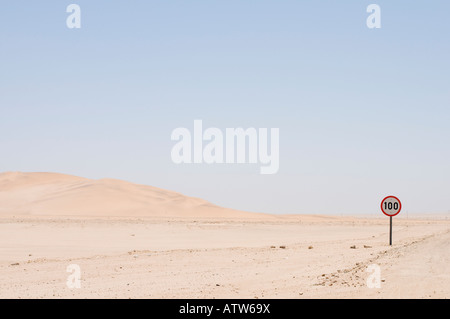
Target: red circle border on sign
<point x="399" y="202"/>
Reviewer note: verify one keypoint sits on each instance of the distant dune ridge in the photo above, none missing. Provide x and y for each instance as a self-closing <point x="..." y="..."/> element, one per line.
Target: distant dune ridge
<point x="56" y="194"/>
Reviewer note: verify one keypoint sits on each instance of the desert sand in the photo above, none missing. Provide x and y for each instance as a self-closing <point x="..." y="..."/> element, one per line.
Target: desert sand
<point x="137" y="241"/>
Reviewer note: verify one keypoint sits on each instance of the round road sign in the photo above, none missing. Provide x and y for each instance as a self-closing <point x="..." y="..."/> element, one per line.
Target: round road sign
<point x="391" y="206"/>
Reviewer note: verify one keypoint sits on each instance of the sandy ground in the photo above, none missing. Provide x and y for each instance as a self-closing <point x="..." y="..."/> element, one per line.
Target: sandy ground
<point x="219" y="258"/>
<point x="174" y="246"/>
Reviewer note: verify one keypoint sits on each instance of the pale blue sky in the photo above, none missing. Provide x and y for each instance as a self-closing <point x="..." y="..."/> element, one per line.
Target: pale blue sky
<point x="362" y="113"/>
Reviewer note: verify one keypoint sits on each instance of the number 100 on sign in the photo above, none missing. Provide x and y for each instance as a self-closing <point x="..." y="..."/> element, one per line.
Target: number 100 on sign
<point x="391" y="206"/>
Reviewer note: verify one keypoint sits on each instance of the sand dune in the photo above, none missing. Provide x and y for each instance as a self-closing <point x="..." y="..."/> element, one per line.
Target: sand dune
<point x="52" y="194"/>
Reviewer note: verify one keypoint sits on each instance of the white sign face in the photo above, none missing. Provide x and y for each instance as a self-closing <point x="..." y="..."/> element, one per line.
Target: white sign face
<point x="391" y="206"/>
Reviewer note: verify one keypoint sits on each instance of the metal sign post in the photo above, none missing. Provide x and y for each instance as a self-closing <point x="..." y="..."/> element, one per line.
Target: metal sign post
<point x="390" y="231"/>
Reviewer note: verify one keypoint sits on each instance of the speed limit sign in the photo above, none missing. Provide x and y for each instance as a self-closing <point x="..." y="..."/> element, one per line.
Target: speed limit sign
<point x="391" y="206"/>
